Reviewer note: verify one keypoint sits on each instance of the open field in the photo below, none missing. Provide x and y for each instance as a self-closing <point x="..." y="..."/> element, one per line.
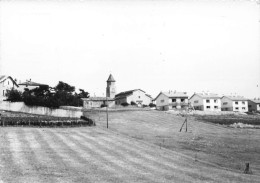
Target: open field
<point x="225" y="147"/>
<point x="94" y="154"/>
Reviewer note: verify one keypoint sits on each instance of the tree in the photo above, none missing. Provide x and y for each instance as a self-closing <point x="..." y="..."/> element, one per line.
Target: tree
<point x="133" y="103"/>
<point x="14" y="95"/>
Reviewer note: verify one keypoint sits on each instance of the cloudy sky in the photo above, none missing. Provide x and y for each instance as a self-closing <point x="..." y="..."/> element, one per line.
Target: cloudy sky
<point x="190" y="45"/>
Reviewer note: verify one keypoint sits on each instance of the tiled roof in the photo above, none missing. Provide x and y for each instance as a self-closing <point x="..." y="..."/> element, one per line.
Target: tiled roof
<point x="126" y="93"/>
<point x="111" y="78"/>
<point x="257" y="101"/>
<point x="98" y="99"/>
<point x="236" y="98"/>
<point x="175" y="94"/>
<point x="207" y="95"/>
<point x="30" y="83"/>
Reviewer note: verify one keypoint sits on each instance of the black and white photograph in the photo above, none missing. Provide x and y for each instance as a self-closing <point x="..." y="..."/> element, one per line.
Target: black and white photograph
<point x="125" y="91"/>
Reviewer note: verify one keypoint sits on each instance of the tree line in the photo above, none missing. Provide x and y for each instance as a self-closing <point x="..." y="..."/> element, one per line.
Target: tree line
<point x="61" y="95"/>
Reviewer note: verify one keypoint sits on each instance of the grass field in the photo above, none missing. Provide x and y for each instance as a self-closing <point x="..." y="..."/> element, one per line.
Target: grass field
<point x="97" y="154"/>
<point x="226" y="147"/>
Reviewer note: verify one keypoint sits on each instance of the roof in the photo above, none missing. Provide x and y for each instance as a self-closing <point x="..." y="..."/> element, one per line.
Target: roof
<point x="111" y="78"/>
<point x="207" y="95"/>
<point x="257" y="101"/>
<point x="236" y="98"/>
<point x="126" y="93"/>
<point x="97" y="99"/>
<point x="30" y="83"/>
<point x="4" y="77"/>
<point x="173" y="94"/>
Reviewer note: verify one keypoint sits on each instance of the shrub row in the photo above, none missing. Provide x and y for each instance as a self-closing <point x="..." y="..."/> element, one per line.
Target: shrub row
<point x="45" y="121"/>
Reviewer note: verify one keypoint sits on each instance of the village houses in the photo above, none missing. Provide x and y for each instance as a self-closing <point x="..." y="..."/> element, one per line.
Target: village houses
<point x="171" y="100"/>
<point x="205" y="102"/>
<point x="30" y="85"/>
<point x="234" y="103"/>
<point x="6" y="83"/>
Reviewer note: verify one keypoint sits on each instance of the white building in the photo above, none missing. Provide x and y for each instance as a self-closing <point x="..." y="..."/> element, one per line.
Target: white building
<point x="254" y="105"/>
<point x="6" y="83"/>
<point x="205" y="102"/>
<point x="138" y="96"/>
<point x="171" y="100"/>
<point x="234" y="103"/>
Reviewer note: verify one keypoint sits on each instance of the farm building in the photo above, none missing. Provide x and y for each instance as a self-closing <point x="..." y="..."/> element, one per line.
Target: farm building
<point x="138" y="96"/>
<point x="30" y="85"/>
<point x="205" y="102"/>
<point x="234" y="103"/>
<point x="171" y="100"/>
<point x="6" y="83"/>
<point x="96" y="102"/>
<point x="254" y="105"/>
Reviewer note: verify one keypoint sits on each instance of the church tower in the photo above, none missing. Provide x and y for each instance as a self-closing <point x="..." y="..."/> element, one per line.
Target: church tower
<point x="111" y="88"/>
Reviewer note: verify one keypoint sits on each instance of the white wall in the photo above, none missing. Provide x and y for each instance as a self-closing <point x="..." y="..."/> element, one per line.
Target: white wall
<point x="6" y="85"/>
<point x="240" y="106"/>
<point x="21" y="107"/>
<point x="213" y="104"/>
<point x="162" y="100"/>
<point x="139" y="95"/>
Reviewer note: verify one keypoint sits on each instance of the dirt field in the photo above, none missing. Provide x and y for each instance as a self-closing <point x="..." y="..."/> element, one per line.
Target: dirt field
<point x="97" y="154"/>
<point x="226" y="147"/>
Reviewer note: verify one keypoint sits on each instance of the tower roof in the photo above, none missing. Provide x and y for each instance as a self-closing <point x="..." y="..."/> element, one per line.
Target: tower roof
<point x="111" y="78"/>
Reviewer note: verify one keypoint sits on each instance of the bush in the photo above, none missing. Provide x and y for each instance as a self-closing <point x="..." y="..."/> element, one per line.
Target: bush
<point x="145" y="105"/>
<point x="103" y="105"/>
<point x="125" y="104"/>
<point x="133" y="103"/>
<point x="14" y="95"/>
<point x="152" y="105"/>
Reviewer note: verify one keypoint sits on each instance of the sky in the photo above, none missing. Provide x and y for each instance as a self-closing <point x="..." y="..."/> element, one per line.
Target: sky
<point x="190" y="46"/>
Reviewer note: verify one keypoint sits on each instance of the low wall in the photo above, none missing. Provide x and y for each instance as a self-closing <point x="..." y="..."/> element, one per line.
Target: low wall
<point x="21" y="107"/>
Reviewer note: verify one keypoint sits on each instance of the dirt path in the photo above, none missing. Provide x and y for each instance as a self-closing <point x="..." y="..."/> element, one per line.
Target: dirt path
<point x="94" y="154"/>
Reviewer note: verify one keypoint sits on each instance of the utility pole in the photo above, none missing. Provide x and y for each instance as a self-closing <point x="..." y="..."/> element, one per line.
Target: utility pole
<point x="107" y="112"/>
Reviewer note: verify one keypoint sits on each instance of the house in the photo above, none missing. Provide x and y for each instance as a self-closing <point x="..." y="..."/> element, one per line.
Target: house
<point x="138" y="96"/>
<point x="30" y="85"/>
<point x="6" y="83"/>
<point x="234" y="103"/>
<point x="171" y="100"/>
<point x="254" y="105"/>
<point x="205" y="102"/>
<point x="96" y="102"/>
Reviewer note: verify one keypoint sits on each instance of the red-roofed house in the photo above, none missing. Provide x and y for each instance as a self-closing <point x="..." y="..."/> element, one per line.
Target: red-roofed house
<point x="205" y="102"/>
<point x="234" y="103"/>
<point x="171" y="100"/>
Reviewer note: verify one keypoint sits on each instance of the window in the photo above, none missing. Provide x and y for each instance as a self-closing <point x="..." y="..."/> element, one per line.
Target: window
<point x="162" y="101"/>
<point x="215" y="101"/>
<point x="249" y="106"/>
<point x="236" y="108"/>
<point x="243" y="102"/>
<point x="207" y="101"/>
<point x="182" y="100"/>
<point x="8" y="82"/>
<point x="173" y="100"/>
<point x="208" y="107"/>
<point x="3" y="93"/>
<point x="243" y="108"/>
<point x="196" y="101"/>
<point x="225" y="103"/>
<point x="139" y="97"/>
<point x="215" y="107"/>
<point x="236" y="102"/>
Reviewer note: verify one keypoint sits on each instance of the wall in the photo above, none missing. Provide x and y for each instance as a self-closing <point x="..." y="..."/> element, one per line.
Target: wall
<point x="138" y="95"/>
<point x="212" y="104"/>
<point x="226" y="104"/>
<point x="252" y="106"/>
<point x="21" y="107"/>
<point x="159" y="103"/>
<point x="241" y="107"/>
<point x="199" y="104"/>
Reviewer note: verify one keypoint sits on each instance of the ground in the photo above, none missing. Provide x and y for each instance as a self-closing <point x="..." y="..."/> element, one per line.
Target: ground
<point x="144" y="146"/>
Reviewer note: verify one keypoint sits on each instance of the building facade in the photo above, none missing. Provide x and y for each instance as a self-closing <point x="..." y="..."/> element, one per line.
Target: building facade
<point x="6" y="83"/>
<point x="138" y="96"/>
<point x="171" y="100"/>
<point x="254" y="105"/>
<point x="234" y="103"/>
<point x="205" y="102"/>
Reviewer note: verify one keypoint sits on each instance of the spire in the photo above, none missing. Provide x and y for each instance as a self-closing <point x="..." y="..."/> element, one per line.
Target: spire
<point x="111" y="78"/>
